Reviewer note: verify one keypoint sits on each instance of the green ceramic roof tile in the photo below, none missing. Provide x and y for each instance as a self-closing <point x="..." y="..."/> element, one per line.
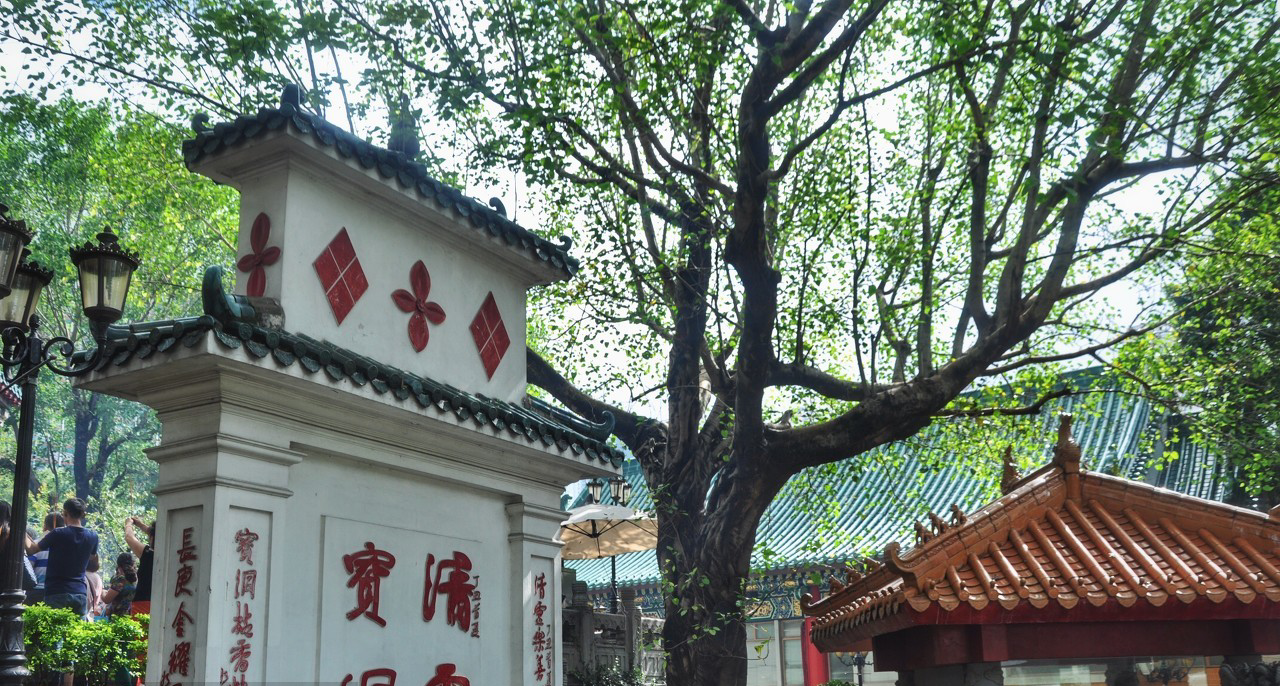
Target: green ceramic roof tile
<point x="392" y="167"/>
<point x="227" y="319"/>
<point x="1114" y="437"/>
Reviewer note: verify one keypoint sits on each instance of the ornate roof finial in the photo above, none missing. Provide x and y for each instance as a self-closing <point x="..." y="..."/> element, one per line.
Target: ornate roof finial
<point x="404" y="130"/>
<point x="923" y="535"/>
<point x="1066" y="453"/>
<point x="1009" y="474"/>
<point x="1066" y="456"/>
<point x="958" y="517"/>
<point x="200" y="123"/>
<point x="939" y="524"/>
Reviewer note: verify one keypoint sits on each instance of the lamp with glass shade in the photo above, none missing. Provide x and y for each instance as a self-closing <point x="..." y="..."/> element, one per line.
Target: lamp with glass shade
<point x="106" y="270"/>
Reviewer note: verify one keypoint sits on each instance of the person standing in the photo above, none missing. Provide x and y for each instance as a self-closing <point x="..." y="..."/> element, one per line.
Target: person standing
<point x="123" y="584"/>
<point x="94" y="579"/>
<point x="40" y="561"/>
<point x="70" y="549"/>
<point x="146" y="555"/>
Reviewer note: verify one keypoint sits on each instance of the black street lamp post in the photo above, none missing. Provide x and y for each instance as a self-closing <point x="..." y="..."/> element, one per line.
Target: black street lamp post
<point x="105" y="271"/>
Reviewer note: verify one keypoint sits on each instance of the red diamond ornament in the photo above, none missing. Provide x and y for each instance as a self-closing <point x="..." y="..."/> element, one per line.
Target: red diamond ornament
<point x="490" y="335"/>
<point x="341" y="274"/>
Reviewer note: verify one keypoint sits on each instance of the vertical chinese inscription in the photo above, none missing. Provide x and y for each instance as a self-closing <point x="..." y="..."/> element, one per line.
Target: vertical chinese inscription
<point x="543" y="638"/>
<point x="244" y="593"/>
<point x="177" y="663"/>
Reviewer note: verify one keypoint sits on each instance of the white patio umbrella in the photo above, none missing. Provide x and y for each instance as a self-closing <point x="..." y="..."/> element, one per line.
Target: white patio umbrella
<point x="595" y="531"/>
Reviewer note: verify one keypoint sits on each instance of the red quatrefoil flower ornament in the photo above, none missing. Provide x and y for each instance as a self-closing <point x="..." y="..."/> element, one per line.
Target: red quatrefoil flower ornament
<point x="422" y="310"/>
<point x="255" y="263"/>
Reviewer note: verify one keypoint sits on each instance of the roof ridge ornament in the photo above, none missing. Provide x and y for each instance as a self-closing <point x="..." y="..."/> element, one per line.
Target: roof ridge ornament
<point x="496" y="203"/>
<point x="291" y="95"/>
<point x="1066" y="456"/>
<point x="404" y="131"/>
<point x="1009" y="475"/>
<point x="200" y="123"/>
<point x="229" y="309"/>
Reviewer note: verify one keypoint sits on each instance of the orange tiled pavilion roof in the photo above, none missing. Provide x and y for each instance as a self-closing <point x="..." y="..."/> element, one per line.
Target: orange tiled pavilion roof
<point x="1065" y="545"/>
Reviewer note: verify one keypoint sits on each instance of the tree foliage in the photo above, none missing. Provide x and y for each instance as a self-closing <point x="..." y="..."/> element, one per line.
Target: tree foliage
<point x="1216" y="364"/>
<point x="70" y="170"/>
<point x="853" y="211"/>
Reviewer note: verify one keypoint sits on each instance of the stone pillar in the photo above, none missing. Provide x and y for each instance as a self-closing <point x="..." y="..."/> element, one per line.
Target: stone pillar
<point x="631" y="612"/>
<point x="221" y="497"/>
<point x="536" y="582"/>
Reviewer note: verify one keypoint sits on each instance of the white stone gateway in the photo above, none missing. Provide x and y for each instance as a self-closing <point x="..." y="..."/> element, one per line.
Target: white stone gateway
<point x="353" y="486"/>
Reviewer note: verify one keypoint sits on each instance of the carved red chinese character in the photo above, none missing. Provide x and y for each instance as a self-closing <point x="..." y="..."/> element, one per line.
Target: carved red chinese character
<point x="187" y="552"/>
<point x="180" y="620"/>
<point x="238" y="680"/>
<point x="540" y="585"/>
<point x="368" y="568"/>
<point x="540" y="669"/>
<point x="539" y="641"/>
<point x="240" y="654"/>
<point x="185" y="573"/>
<point x="246" y="583"/>
<point x="539" y="609"/>
<point x="240" y="623"/>
<point x="180" y="658"/>
<point x="370" y="677"/>
<point x="456" y="586"/>
<point x="445" y="676"/>
<point x="244" y="545"/>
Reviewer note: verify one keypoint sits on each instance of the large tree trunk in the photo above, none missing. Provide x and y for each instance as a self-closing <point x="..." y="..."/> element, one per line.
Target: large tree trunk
<point x="704" y="634"/>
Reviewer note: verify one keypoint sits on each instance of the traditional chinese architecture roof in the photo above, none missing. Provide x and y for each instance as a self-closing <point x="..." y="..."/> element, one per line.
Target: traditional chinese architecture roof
<point x="1114" y="430"/>
<point x="490" y="224"/>
<point x="1065" y="545"/>
<point x="233" y="323"/>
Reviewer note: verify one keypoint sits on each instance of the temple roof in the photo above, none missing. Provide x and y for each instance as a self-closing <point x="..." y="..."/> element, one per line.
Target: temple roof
<point x="927" y="473"/>
<point x="232" y="321"/>
<point x="490" y="224"/>
<point x="1065" y="544"/>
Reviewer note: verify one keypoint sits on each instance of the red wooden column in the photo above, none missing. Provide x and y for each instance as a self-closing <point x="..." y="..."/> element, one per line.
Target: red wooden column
<point x="817" y="670"/>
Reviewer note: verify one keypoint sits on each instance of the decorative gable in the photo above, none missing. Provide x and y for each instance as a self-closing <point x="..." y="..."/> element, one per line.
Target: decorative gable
<point x="335" y="229"/>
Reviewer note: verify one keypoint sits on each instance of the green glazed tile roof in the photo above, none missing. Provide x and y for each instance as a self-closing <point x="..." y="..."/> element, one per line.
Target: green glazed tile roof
<point x="227" y="320"/>
<point x="393" y="167"/>
<point x="882" y="503"/>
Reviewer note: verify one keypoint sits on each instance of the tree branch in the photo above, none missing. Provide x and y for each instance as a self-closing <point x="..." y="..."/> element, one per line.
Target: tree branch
<point x="626" y="424"/>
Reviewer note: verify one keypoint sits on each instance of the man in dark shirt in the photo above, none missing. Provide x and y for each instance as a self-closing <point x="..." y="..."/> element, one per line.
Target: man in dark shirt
<point x="70" y="549"/>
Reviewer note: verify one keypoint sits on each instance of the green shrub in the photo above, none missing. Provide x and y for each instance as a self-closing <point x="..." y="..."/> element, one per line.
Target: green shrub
<point x="101" y="652"/>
